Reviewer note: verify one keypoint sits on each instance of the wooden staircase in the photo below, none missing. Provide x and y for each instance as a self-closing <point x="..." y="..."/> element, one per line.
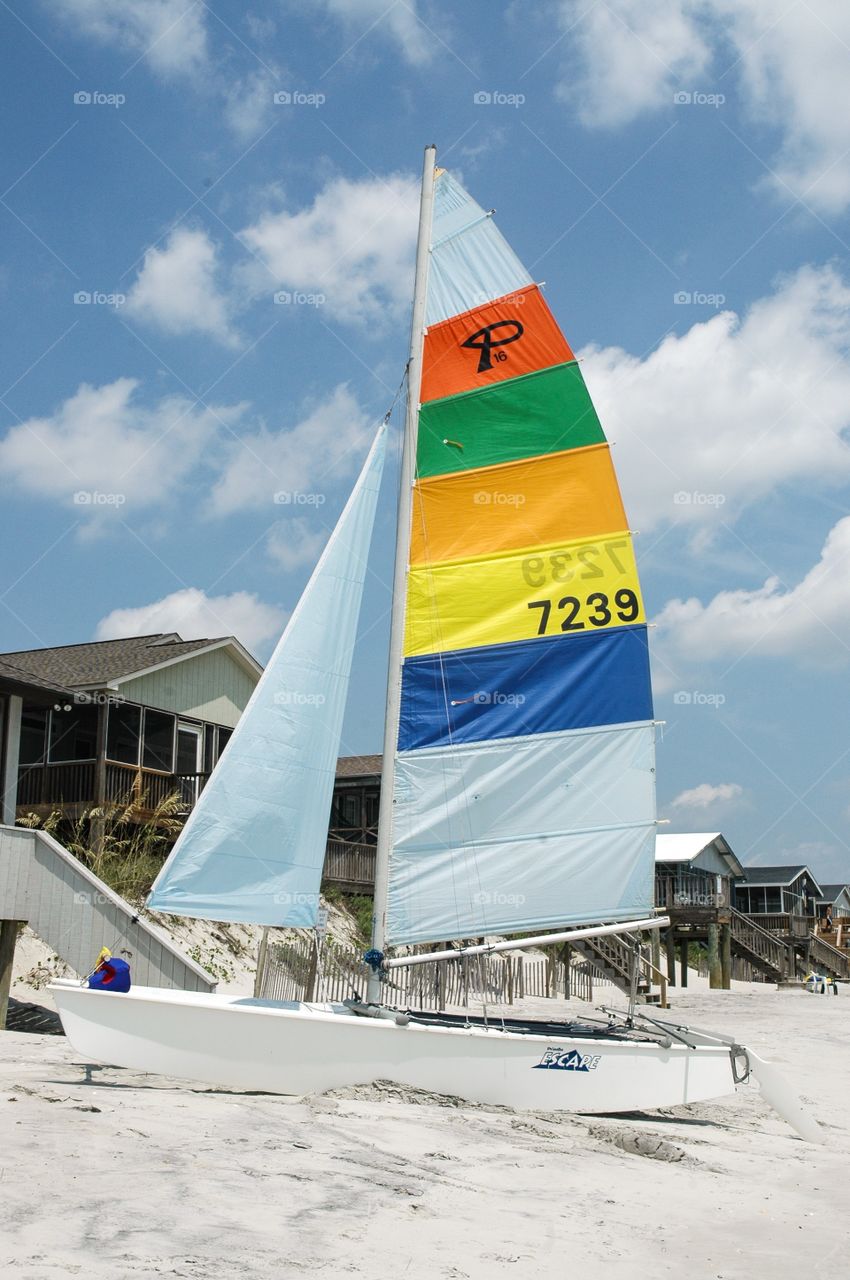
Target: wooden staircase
<point x="611" y="957"/>
<point x="767" y="953"/>
<point x="825" y="958"/>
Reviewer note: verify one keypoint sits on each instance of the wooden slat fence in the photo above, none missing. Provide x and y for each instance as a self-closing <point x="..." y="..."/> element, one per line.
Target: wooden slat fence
<point x="293" y="970"/>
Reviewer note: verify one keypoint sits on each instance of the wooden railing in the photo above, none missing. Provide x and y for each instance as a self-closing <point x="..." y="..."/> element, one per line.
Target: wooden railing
<point x="126" y="784"/>
<point x="795" y="926"/>
<point x="690" y="890"/>
<point x="76" y="783"/>
<point x="350" y="866"/>
<point x="71" y="783"/>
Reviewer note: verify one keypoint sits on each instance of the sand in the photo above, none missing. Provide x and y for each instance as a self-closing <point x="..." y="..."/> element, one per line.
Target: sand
<point x="109" y="1173"/>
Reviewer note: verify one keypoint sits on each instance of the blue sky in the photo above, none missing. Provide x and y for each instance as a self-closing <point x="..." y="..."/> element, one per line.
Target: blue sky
<point x="679" y="175"/>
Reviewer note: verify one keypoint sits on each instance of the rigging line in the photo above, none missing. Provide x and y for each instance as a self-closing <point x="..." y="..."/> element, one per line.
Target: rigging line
<point x="398" y="393"/>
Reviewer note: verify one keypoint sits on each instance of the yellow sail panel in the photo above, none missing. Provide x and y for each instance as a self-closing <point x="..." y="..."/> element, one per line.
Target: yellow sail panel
<point x="560" y="590"/>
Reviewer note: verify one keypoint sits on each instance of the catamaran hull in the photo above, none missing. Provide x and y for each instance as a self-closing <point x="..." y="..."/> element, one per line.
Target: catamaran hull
<point x="281" y="1047"/>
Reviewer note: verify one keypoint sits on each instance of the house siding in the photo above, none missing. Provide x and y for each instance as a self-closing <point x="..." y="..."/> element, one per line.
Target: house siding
<point x="710" y="860"/>
<point x="211" y="686"/>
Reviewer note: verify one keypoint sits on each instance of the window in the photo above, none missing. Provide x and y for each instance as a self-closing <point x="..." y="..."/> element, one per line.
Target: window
<point x="224" y="736"/>
<point x="345" y="811"/>
<point x="123" y="733"/>
<point x="73" y="734"/>
<point x="158" y="748"/>
<point x="33" y="735"/>
<point x="373" y="804"/>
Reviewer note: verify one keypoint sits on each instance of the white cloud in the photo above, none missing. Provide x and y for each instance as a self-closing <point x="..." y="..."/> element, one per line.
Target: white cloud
<point x="722" y="416"/>
<point x="195" y="616"/>
<point x="170" y="34"/>
<point x="249" y="103"/>
<point x="790" y="62"/>
<point x="176" y="288"/>
<point x="295" y="468"/>
<point x="809" y="621"/>
<point x="706" y="795"/>
<point x="632" y="56"/>
<point x="354" y="245"/>
<point x="396" y="18"/>
<point x="102" y="449"/>
<point x="293" y="543"/>
<point x="794" y="69"/>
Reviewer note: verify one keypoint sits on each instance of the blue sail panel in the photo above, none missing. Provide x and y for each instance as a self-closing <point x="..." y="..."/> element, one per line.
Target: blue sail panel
<point x="254" y="845"/>
<point x="529" y="687"/>
<point x="523" y="834"/>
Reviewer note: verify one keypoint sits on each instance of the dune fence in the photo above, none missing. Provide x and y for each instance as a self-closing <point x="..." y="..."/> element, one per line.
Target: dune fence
<point x="302" y="969"/>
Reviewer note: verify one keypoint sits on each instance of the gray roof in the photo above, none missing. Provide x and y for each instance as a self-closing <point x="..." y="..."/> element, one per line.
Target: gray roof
<point x="829" y="892"/>
<point x="27" y="681"/>
<point x="358" y="766"/>
<point x="776" y="875"/>
<point x="83" y="666"/>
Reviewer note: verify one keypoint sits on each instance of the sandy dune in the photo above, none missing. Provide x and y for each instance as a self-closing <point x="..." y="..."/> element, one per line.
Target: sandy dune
<point x="108" y="1173"/>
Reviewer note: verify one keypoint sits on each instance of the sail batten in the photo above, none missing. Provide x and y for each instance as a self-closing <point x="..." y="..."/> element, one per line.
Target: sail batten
<point x="524" y="779"/>
<point x="253" y="847"/>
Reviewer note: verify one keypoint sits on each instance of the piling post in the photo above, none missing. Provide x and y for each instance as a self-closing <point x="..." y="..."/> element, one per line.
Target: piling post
<point x="262" y="956"/>
<point x="670" y="942"/>
<point x="726" y="955"/>
<point x="8" y="938"/>
<point x="683" y="960"/>
<point x="715" y="976"/>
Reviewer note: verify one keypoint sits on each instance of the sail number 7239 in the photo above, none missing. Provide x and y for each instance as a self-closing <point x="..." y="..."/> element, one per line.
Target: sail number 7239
<point x="598" y="610"/>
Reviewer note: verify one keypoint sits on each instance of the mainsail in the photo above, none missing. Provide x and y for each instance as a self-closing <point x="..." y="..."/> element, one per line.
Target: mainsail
<point x="523" y="780"/>
<point x="253" y="847"/>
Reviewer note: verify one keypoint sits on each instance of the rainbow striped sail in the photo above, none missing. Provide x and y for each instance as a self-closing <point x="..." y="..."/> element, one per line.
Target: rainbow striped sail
<point x="524" y="781"/>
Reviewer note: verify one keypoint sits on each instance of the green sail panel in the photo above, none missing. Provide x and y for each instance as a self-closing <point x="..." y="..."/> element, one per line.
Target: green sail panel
<point x="543" y="412"/>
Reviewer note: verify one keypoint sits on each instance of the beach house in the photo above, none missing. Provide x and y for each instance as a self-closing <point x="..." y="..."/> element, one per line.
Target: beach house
<point x="115" y="721"/>
<point x="779" y="896"/>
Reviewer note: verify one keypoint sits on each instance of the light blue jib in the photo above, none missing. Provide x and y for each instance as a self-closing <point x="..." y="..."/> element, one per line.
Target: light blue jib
<point x="254" y="845"/>
<point x="471" y="261"/>
<point x="517" y="834"/>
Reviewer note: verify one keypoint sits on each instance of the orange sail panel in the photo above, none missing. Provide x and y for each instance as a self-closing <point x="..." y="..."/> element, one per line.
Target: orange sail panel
<point x="531" y="503"/>
<point x="514" y="335"/>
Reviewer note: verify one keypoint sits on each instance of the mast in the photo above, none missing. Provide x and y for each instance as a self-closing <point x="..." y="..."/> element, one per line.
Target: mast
<point x="402" y="555"/>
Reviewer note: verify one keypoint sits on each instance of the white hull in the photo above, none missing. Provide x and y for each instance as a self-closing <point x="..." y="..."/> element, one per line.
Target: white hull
<point x="281" y="1047"/>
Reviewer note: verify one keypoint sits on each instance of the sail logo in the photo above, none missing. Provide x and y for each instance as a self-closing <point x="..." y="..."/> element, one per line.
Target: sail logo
<point x="567" y="1060"/>
<point x="484" y="342"/>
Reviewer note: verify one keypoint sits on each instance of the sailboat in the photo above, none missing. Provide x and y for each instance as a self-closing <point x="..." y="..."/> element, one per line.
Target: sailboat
<point x="518" y="785"/>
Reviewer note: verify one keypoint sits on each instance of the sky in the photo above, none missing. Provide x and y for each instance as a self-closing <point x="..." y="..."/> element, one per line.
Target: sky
<point x="208" y="218"/>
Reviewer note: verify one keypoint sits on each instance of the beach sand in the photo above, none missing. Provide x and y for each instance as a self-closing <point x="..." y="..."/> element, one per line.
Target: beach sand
<point x="110" y="1173"/>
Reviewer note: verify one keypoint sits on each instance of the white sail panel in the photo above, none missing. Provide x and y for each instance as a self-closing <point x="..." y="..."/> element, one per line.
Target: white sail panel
<point x="253" y="847"/>
<point x="535" y="832"/>
<point x="471" y="261"/>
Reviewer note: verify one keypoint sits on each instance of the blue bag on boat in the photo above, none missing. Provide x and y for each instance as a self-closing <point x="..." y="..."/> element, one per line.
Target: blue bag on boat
<point x="111" y="975"/>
